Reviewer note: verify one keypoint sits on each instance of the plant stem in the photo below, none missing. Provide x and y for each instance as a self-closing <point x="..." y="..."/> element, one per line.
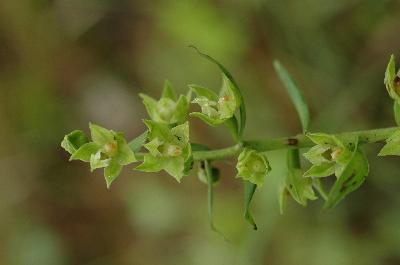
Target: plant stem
<point x="298" y="141"/>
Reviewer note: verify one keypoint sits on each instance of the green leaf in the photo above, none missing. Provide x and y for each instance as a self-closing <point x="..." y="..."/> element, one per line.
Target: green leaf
<point x="138" y="142"/>
<point x="73" y="141"/>
<point x="396" y="110"/>
<point x="111" y="172"/>
<point x="392" y="146"/>
<point x="295" y="95"/>
<point x="124" y="154"/>
<point x="235" y="87"/>
<point x="168" y="91"/>
<point x="175" y="167"/>
<point x="252" y="166"/>
<point x="100" y="135"/>
<point x="350" y="179"/>
<point x="249" y="189"/>
<point x="85" y="151"/>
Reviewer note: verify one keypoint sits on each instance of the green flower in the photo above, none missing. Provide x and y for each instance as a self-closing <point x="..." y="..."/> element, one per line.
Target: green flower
<point x="252" y="166"/>
<point x="392" y="80"/>
<point x="168" y="109"/>
<point x="216" y="109"/>
<point x="169" y="149"/>
<point x="329" y="156"/>
<point x="108" y="150"/>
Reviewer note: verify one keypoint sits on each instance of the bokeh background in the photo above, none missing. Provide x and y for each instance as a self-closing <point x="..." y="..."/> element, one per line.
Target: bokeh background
<point x="64" y="63"/>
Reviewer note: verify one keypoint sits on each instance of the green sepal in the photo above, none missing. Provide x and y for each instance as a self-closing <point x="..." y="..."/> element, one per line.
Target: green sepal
<point x="111" y="172"/>
<point x="100" y="135"/>
<point x="300" y="188"/>
<point x="136" y="144"/>
<point x="73" y="141"/>
<point x="350" y="179"/>
<point x="204" y="92"/>
<point x="252" y="166"/>
<point x="124" y="155"/>
<point x="321" y="170"/>
<point x="324" y="139"/>
<point x="392" y="146"/>
<point x="85" y="151"/>
<point x="396" y="111"/>
<point x="96" y="161"/>
<point x="249" y="190"/>
<point x="392" y="80"/>
<point x="168" y="91"/>
<point x="208" y="120"/>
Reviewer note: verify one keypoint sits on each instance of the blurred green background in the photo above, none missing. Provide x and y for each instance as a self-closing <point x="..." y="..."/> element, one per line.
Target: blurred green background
<point x="64" y="63"/>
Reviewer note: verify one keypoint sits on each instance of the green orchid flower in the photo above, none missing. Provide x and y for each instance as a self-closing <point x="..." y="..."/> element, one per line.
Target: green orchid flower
<point x="252" y="166"/>
<point x="329" y="156"/>
<point x="108" y="150"/>
<point x="169" y="149"/>
<point x="169" y="109"/>
<point x="216" y="109"/>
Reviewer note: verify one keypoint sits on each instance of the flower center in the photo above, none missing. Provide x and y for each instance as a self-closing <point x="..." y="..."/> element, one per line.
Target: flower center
<point x="111" y="148"/>
<point x="173" y="150"/>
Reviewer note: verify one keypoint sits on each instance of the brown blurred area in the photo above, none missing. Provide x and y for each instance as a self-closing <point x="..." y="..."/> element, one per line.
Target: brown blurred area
<point x="64" y="63"/>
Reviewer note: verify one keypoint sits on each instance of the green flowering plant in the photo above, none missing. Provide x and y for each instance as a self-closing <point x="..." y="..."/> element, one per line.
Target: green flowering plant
<point x="169" y="149"/>
<point x="166" y="145"/>
<point x="108" y="150"/>
<point x="169" y="109"/>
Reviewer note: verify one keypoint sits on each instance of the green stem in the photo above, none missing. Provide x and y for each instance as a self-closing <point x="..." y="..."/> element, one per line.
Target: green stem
<point x="298" y="141"/>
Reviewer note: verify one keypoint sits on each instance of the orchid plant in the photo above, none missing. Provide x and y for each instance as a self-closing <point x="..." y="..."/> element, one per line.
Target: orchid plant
<point x="166" y="145"/>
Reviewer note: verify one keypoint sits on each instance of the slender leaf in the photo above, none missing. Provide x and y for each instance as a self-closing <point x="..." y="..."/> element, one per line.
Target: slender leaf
<point x="295" y="94"/>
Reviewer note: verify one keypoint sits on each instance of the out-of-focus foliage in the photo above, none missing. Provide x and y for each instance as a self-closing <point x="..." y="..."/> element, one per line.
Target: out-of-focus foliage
<point x="67" y="62"/>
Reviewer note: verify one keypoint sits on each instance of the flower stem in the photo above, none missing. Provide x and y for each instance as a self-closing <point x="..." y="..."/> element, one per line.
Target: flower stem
<point x="298" y="141"/>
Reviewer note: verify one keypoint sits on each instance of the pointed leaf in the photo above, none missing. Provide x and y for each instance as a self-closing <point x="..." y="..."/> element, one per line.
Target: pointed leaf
<point x="295" y="95"/>
<point x="125" y="154"/>
<point x="204" y="92"/>
<point x="322" y="170"/>
<point x="210" y="121"/>
<point x="392" y="146"/>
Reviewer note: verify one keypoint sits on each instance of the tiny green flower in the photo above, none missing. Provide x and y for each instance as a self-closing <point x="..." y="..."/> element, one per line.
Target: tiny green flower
<point x="252" y="166"/>
<point x="169" y="149"/>
<point x="329" y="156"/>
<point x="392" y="80"/>
<point x="216" y="109"/>
<point x="108" y="149"/>
<point x="168" y="109"/>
